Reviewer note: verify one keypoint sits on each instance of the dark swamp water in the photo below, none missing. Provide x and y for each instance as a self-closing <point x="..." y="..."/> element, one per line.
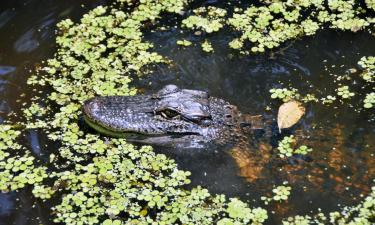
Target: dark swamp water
<point x="337" y="173"/>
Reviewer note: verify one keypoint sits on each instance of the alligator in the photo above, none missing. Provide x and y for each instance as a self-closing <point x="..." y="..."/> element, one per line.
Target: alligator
<point x="172" y="116"/>
<point x="186" y="118"/>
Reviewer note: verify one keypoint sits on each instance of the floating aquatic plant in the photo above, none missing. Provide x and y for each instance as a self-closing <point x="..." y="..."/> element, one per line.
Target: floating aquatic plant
<point x="108" y="181"/>
<point x="280" y="193"/>
<point x="368" y="66"/>
<point x="284" y="94"/>
<point x="286" y="147"/>
<point x="344" y="92"/>
<point x="17" y="167"/>
<point x="207" y="47"/>
<point x="271" y="23"/>
<point x="34" y="110"/>
<point x="184" y="43"/>
<point x="329" y="99"/>
<point x="370" y="4"/>
<point x="210" y="19"/>
<point x="369" y="101"/>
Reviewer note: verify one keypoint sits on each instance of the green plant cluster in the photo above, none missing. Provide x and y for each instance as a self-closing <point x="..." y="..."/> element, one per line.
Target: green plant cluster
<point x="207" y="46"/>
<point x="370" y="4"/>
<point x="42" y="191"/>
<point x="309" y="98"/>
<point x="210" y="19"/>
<point x="329" y="99"/>
<point x="274" y="23"/>
<point x="300" y="220"/>
<point x="284" y="94"/>
<point x="286" y="147"/>
<point x="287" y="95"/>
<point x="368" y="66"/>
<point x="112" y="222"/>
<point x="34" y="110"/>
<point x="280" y="193"/>
<point x="143" y="185"/>
<point x="271" y="23"/>
<point x="344" y="92"/>
<point x="17" y="167"/>
<point x="184" y="43"/>
<point x="369" y="101"/>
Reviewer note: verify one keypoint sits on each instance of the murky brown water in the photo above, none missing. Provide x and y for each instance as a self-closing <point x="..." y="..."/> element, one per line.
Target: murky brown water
<point x="336" y="173"/>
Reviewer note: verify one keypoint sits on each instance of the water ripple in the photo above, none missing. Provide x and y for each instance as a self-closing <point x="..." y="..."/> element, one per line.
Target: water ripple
<point x="4" y="70"/>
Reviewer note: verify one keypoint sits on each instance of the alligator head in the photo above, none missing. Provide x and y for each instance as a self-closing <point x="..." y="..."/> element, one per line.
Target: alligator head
<point x="171" y="115"/>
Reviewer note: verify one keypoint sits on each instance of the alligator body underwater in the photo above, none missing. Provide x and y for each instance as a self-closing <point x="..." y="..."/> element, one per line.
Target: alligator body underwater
<point x="171" y="117"/>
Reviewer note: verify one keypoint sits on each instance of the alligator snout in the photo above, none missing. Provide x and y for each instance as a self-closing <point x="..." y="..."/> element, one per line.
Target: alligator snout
<point x="92" y="107"/>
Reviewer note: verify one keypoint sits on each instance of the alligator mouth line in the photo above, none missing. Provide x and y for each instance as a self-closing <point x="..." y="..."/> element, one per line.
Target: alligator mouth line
<point x="131" y="136"/>
<point x="112" y="133"/>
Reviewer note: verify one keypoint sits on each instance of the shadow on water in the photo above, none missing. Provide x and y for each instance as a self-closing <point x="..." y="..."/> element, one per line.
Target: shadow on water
<point x="339" y="169"/>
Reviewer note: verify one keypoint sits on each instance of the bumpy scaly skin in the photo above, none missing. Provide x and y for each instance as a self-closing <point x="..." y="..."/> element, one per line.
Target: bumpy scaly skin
<point x="196" y="118"/>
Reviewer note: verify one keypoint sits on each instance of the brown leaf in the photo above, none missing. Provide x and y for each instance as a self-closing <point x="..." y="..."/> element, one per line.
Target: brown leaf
<point x="289" y="114"/>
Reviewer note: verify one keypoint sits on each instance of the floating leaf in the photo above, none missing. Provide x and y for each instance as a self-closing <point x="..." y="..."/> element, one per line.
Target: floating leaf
<point x="289" y="114"/>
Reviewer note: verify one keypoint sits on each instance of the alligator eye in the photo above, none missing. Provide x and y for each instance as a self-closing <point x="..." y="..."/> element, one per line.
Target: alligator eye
<point x="169" y="114"/>
<point x="205" y="122"/>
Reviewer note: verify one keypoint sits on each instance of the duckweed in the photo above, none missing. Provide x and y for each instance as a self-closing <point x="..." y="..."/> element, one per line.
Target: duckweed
<point x="286" y="147"/>
<point x="34" y="110"/>
<point x="281" y="192"/>
<point x="210" y="19"/>
<point x="271" y="23"/>
<point x="207" y="47"/>
<point x="344" y="92"/>
<point x="368" y="67"/>
<point x="369" y="101"/>
<point x="43" y="192"/>
<point x="109" y="181"/>
<point x="329" y="99"/>
<point x="184" y="43"/>
<point x="284" y="94"/>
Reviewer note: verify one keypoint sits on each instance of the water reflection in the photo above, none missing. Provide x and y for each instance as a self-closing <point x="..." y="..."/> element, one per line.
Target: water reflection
<point x="27" y="42"/>
<point x="6" y="16"/>
<point x="6" y="204"/>
<point x="4" y="70"/>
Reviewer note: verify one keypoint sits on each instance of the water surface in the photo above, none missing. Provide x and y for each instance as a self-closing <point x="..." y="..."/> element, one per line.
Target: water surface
<point x="339" y="169"/>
